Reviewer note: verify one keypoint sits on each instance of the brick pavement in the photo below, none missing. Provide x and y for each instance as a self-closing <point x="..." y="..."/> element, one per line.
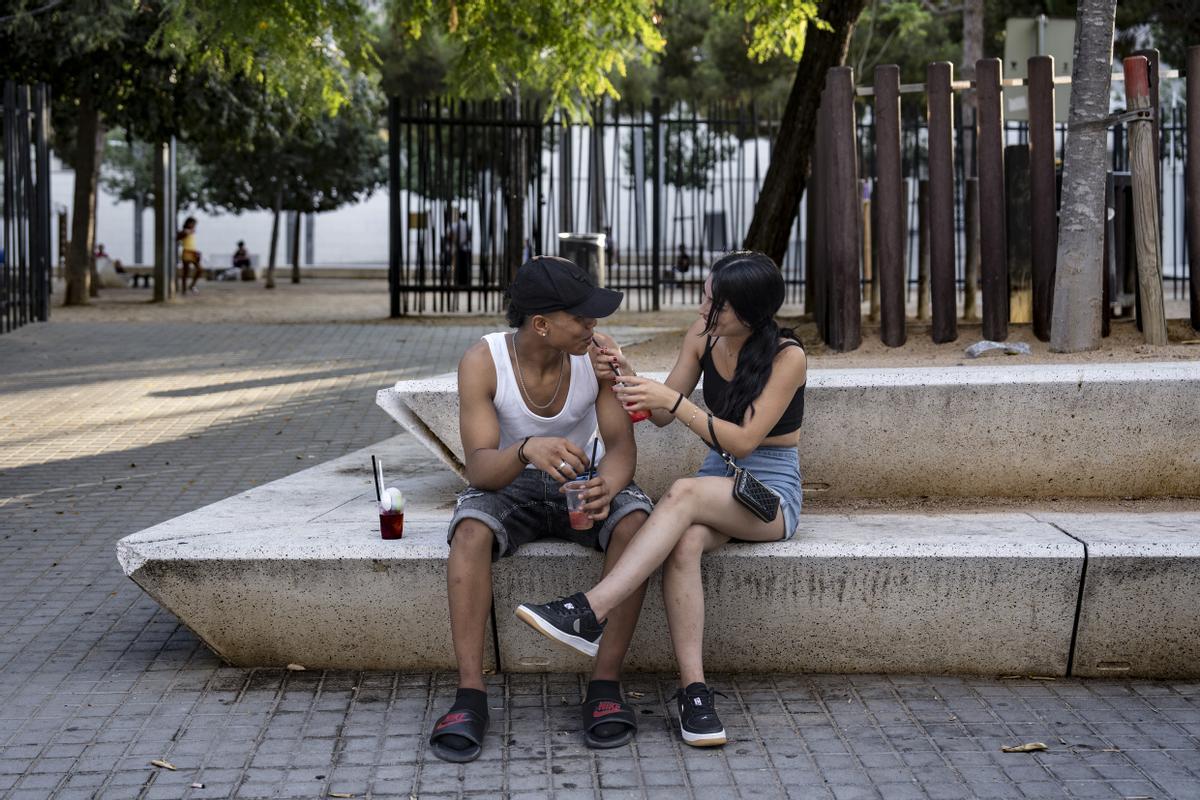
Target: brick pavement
<point x="109" y="427"/>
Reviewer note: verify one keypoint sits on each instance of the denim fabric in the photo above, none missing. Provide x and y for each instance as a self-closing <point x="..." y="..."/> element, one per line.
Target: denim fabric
<point x="777" y="467"/>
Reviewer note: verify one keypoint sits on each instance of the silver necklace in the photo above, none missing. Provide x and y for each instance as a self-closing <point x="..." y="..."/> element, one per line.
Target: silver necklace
<point x="521" y="378"/>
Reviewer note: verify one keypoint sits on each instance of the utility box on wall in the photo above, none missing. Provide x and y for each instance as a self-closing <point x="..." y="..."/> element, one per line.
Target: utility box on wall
<point x="1025" y="37"/>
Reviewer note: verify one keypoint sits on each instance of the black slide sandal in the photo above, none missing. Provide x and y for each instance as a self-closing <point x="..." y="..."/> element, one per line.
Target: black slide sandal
<point x="459" y="722"/>
<point x="601" y="710"/>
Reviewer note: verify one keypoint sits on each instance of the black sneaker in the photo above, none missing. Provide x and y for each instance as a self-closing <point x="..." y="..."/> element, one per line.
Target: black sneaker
<point x="698" y="720"/>
<point x="568" y="620"/>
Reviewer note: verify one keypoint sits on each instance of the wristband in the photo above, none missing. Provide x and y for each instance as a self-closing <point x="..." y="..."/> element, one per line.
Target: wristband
<point x="677" y="402"/>
<point x="521" y="451"/>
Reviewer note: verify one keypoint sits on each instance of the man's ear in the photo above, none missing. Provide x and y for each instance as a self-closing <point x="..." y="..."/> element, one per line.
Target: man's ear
<point x="540" y="324"/>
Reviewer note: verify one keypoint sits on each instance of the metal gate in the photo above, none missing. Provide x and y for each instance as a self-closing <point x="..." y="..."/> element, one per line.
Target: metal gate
<point x="25" y="271"/>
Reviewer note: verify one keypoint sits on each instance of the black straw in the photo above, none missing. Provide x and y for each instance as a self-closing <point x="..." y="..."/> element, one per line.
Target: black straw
<point x="592" y="469"/>
<point x="377" y="478"/>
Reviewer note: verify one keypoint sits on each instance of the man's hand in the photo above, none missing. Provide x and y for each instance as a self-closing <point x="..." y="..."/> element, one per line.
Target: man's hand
<point x="558" y="457"/>
<point x="597" y="497"/>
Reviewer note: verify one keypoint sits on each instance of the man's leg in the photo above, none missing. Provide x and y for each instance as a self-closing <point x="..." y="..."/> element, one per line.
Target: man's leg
<point x="469" y="584"/>
<point x="458" y="735"/>
<point x="622" y="620"/>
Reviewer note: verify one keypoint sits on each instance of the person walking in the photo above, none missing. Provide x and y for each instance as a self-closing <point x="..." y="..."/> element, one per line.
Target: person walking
<point x="190" y="257"/>
<point x="754" y="376"/>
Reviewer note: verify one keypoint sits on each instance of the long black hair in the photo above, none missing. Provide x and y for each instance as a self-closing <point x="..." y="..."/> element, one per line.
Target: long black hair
<point x="751" y="284"/>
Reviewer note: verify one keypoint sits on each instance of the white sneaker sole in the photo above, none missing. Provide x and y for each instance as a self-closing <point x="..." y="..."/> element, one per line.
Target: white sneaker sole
<point x="576" y="643"/>
<point x="702" y="739"/>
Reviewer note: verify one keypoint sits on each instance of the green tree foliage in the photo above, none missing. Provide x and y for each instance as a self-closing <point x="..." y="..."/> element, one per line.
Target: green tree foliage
<point x="570" y="50"/>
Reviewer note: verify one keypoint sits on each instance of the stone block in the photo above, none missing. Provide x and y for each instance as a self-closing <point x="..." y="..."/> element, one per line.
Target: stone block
<point x="967" y="593"/>
<point x="1140" y="606"/>
<point x="1040" y="430"/>
<point x="295" y="571"/>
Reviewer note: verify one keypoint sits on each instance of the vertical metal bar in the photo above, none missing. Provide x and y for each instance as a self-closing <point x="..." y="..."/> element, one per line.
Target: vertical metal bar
<point x="941" y="202"/>
<point x="656" y="134"/>
<point x="1192" y="193"/>
<point x="8" y="312"/>
<point x="394" y="222"/>
<point x="1043" y="234"/>
<point x="24" y="206"/>
<point x="888" y="202"/>
<point x="993" y="240"/>
<point x="42" y="264"/>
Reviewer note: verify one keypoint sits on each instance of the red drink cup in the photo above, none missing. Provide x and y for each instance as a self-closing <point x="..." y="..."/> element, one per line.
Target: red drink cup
<point x="580" y="521"/>
<point x="391" y="524"/>
<point x="639" y="415"/>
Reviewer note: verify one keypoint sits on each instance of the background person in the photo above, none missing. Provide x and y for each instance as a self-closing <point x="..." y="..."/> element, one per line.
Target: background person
<point x="190" y="257"/>
<point x="754" y="376"/>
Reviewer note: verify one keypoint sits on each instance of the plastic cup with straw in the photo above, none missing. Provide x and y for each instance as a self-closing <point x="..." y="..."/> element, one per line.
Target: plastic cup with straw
<point x="634" y="416"/>
<point x="575" y="489"/>
<point x="391" y="504"/>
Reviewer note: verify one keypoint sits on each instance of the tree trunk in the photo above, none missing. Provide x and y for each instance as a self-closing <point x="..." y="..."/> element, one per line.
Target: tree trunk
<point x="89" y="145"/>
<point x="1078" y="285"/>
<point x="783" y="186"/>
<point x="276" y="211"/>
<point x="296" y="248"/>
<point x="972" y="32"/>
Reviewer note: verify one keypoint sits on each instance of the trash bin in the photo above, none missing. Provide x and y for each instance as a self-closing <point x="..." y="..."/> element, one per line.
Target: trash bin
<point x="586" y="250"/>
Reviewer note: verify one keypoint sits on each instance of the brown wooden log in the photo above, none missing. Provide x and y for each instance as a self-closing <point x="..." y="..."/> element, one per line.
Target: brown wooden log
<point x="971" y="259"/>
<point x="941" y="202"/>
<point x="993" y="228"/>
<point x="1017" y="213"/>
<point x="889" y="206"/>
<point x="923" y="250"/>
<point x="845" y="306"/>
<point x="1192" y="193"/>
<point x="1143" y="169"/>
<point x="1043" y="209"/>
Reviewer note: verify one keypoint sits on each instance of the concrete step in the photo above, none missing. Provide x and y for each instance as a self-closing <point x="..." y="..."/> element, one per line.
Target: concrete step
<point x="295" y="572"/>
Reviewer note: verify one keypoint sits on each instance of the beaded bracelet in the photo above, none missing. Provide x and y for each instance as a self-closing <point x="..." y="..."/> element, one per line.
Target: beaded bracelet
<point x="677" y="402"/>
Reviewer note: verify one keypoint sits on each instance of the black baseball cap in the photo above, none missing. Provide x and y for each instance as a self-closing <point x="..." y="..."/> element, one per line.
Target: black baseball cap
<point x="547" y="283"/>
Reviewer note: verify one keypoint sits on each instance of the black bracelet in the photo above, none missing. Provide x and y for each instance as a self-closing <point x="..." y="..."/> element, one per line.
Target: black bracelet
<point x="677" y="402"/>
<point x="521" y="451"/>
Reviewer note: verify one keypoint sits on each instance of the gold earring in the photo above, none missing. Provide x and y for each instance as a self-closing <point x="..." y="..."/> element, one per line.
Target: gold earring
<point x="543" y="334"/>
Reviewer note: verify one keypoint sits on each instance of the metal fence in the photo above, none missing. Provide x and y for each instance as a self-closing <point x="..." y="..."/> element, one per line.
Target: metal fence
<point x="25" y="262"/>
<point x="670" y="188"/>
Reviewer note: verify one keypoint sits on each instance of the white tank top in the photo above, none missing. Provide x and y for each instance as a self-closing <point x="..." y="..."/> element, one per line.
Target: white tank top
<point x="577" y="419"/>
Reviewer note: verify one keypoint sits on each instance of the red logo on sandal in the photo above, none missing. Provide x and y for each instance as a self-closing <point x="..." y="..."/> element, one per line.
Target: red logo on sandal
<point x="606" y="707"/>
<point x="451" y="719"/>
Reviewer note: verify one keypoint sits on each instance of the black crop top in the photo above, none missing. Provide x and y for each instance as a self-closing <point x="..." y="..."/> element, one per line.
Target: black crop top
<point x="715" y="388"/>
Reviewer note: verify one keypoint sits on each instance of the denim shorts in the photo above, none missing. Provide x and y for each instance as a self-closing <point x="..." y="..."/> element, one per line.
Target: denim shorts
<point x="531" y="508"/>
<point x="777" y="467"/>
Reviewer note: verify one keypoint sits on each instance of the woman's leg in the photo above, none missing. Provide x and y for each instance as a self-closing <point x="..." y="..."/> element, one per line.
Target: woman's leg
<point x="690" y="501"/>
<point x="683" y="596"/>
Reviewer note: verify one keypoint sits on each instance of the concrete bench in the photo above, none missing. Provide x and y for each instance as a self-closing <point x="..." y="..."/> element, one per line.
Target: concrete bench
<point x="1084" y="430"/>
<point x="295" y="572"/>
<point x="142" y="272"/>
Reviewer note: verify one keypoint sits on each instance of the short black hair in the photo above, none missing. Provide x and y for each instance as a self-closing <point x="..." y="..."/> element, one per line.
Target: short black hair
<point x="514" y="316"/>
<point x="241" y="243"/>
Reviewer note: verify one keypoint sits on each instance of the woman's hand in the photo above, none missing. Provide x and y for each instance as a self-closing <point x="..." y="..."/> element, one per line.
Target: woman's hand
<point x="605" y="354"/>
<point x="638" y="393"/>
<point x="597" y="497"/>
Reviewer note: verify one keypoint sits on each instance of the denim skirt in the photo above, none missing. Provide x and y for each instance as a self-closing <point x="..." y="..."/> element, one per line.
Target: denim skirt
<point x="777" y="467"/>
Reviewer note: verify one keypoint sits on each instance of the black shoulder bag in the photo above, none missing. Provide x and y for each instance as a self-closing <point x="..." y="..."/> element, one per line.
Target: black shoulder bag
<point x="760" y="499"/>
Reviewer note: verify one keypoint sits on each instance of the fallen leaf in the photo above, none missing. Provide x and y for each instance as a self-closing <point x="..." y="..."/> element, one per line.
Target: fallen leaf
<point x="296" y="667"/>
<point x="340" y="794"/>
<point x="158" y="762"/>
<point x="1042" y="678"/>
<point x="1028" y="747"/>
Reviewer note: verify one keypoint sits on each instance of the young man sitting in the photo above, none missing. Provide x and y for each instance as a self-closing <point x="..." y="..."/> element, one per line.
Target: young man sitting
<point x="529" y="403"/>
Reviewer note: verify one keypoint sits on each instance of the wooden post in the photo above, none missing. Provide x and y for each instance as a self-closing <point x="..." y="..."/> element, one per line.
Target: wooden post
<point x="1143" y="170"/>
<point x="923" y="250"/>
<point x="993" y="228"/>
<point x="845" y="305"/>
<point x="1020" y="263"/>
<point x="941" y="201"/>
<point x="1043" y="200"/>
<point x="1192" y="193"/>
<point x="971" y="277"/>
<point x="889" y="206"/>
